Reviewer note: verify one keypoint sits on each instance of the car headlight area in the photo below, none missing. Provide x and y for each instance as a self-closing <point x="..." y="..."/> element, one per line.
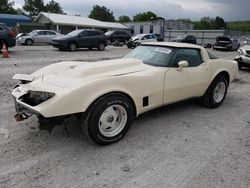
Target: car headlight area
<point x="34" y="98"/>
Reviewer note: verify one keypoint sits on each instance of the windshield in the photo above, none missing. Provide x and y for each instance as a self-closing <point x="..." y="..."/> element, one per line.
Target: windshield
<point x="152" y="55"/>
<point x="74" y="33"/>
<point x="33" y="32"/>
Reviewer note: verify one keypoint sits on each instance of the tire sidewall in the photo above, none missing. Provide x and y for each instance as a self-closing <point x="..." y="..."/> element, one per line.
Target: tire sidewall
<point x="101" y="47"/>
<point x="28" y="43"/>
<point x="70" y="47"/>
<point x="211" y="92"/>
<point x="94" y="115"/>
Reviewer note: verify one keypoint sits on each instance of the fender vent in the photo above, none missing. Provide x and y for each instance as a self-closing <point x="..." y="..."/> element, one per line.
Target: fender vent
<point x="145" y="101"/>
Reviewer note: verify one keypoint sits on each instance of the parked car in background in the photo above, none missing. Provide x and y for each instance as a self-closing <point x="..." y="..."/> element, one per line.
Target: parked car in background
<point x="82" y="38"/>
<point x="120" y="36"/>
<point x="37" y="36"/>
<point x="226" y="43"/>
<point x="191" y="39"/>
<point x="138" y="39"/>
<point x="159" y="37"/>
<point x="7" y="36"/>
<point x="107" y="95"/>
<point x="243" y="56"/>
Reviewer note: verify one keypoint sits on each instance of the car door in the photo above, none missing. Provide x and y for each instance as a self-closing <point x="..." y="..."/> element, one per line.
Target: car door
<point x="187" y="82"/>
<point x="39" y="37"/>
<point x="83" y="40"/>
<point x="49" y="36"/>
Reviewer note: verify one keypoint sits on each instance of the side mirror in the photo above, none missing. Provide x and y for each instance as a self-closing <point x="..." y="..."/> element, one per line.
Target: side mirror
<point x="181" y="65"/>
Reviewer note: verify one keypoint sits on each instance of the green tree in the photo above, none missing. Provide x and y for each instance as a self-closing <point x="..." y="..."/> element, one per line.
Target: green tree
<point x="219" y="23"/>
<point x="6" y="7"/>
<point x="54" y="7"/>
<point x="145" y="16"/>
<point x="124" y="19"/>
<point x="102" y="13"/>
<point x="34" y="7"/>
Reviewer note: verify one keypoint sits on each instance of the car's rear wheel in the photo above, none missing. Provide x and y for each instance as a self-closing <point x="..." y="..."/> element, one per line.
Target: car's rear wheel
<point x="108" y="119"/>
<point x="72" y="47"/>
<point x="216" y="92"/>
<point x="28" y="42"/>
<point x="101" y="47"/>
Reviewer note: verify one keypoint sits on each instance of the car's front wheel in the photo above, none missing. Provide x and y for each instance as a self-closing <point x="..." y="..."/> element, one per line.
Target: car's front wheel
<point x="28" y="42"/>
<point x="216" y="92"/>
<point x="108" y="119"/>
<point x="72" y="47"/>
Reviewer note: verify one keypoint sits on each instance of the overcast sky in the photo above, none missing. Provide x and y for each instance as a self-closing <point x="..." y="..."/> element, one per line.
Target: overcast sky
<point x="230" y="10"/>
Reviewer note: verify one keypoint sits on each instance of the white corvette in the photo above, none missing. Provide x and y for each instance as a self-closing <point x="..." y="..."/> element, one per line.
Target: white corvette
<point x="107" y="95"/>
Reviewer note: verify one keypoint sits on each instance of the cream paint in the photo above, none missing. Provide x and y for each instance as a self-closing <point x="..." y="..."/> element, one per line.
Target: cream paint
<point x="78" y="84"/>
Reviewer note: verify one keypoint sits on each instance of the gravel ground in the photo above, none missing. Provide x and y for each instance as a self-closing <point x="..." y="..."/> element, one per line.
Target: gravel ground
<point x="181" y="145"/>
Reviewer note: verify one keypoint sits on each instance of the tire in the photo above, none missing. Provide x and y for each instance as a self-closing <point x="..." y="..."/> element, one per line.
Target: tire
<point x="240" y="65"/>
<point x="72" y="47"/>
<point x="29" y="42"/>
<point x="216" y="92"/>
<point x="108" y="119"/>
<point x="101" y="47"/>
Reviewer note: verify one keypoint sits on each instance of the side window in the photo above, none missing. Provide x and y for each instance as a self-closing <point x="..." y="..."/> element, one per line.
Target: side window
<point x="51" y="33"/>
<point x="41" y="33"/>
<point x="95" y="33"/>
<point x="84" y="34"/>
<point x="192" y="56"/>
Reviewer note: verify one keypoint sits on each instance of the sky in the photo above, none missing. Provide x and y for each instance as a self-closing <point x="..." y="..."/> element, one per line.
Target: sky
<point x="230" y="10"/>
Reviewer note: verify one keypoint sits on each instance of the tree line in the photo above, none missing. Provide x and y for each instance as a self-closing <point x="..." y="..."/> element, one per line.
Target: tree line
<point x="102" y="13"/>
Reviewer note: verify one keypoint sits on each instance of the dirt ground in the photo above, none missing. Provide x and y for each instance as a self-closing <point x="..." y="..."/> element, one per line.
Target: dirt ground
<point x="179" y="146"/>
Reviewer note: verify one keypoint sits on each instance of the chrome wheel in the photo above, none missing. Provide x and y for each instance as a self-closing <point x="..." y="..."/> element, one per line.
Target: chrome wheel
<point x="112" y="120"/>
<point x="219" y="92"/>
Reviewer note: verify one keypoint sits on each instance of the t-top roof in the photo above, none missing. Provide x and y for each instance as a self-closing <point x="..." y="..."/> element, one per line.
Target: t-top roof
<point x="79" y="21"/>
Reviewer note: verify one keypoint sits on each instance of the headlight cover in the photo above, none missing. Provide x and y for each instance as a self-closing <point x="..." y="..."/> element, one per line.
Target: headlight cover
<point x="34" y="98"/>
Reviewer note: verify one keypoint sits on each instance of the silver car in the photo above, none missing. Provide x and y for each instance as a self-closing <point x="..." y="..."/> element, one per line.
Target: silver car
<point x="37" y="36"/>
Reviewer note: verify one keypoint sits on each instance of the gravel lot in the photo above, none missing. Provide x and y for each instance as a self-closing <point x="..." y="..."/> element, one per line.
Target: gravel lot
<point x="181" y="145"/>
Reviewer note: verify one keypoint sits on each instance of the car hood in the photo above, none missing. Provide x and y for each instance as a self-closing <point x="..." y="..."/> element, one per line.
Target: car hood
<point x="71" y="73"/>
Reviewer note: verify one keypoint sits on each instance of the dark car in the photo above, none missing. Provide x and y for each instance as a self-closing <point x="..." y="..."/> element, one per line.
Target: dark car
<point x="7" y="36"/>
<point x="159" y="37"/>
<point x="121" y="36"/>
<point x="226" y="43"/>
<point x="84" y="38"/>
<point x="191" y="39"/>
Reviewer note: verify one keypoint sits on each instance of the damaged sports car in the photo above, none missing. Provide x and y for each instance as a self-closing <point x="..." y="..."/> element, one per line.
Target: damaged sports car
<point x="107" y="95"/>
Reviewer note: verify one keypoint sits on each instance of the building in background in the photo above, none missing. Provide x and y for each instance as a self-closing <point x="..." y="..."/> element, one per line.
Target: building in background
<point x="66" y="23"/>
<point x="158" y="26"/>
<point x="11" y="20"/>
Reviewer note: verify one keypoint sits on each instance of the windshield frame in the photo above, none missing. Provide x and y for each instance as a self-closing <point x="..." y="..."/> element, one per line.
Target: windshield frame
<point x="168" y="64"/>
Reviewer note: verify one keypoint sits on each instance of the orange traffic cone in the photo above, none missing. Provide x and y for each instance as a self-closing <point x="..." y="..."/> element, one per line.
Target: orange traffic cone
<point x="5" y="53"/>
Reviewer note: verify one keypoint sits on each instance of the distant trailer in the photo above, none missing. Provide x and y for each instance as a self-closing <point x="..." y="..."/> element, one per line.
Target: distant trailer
<point x="203" y="36"/>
